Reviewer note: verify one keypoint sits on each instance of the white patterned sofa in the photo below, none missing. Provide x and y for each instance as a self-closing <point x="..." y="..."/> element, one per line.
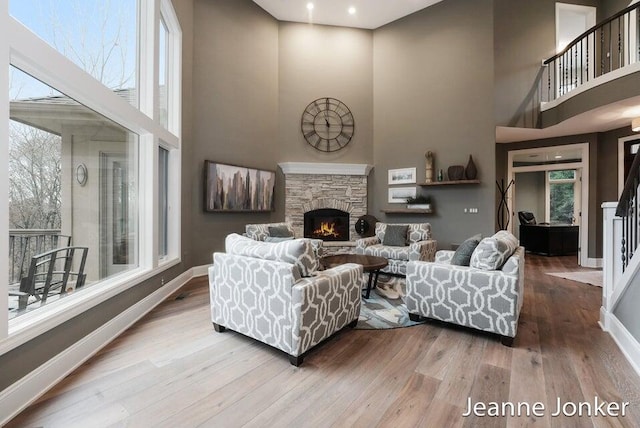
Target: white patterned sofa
<point x="484" y="297"/>
<point x="418" y="245"/>
<point x="273" y="293"/>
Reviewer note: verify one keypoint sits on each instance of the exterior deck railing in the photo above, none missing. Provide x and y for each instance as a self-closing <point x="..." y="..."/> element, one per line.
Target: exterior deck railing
<point x="26" y="243"/>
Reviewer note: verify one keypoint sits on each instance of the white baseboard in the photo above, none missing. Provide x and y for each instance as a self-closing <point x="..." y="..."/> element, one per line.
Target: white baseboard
<point x="628" y="344"/>
<point x="200" y="270"/>
<point x="22" y="393"/>
<point x="593" y="263"/>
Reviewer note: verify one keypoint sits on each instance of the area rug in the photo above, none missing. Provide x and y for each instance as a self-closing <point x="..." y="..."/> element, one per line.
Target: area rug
<point x="588" y="277"/>
<point x="378" y="312"/>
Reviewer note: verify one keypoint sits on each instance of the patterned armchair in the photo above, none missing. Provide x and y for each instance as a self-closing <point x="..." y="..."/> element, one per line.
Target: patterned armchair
<point x="272" y="292"/>
<point x="419" y="246"/>
<point x="488" y="300"/>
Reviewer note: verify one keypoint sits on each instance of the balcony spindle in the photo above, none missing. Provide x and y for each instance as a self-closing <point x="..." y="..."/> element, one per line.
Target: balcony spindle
<point x="609" y="50"/>
<point x="602" y="50"/>
<point x="573" y="65"/>
<point x="620" y="44"/>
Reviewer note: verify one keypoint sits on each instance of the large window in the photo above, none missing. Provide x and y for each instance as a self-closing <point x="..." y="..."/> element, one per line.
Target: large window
<point x="82" y="161"/>
<point x="562" y="194"/>
<point x="100" y="36"/>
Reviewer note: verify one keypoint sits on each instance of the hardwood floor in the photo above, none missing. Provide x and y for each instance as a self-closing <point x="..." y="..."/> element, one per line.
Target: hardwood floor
<point x="171" y="369"/>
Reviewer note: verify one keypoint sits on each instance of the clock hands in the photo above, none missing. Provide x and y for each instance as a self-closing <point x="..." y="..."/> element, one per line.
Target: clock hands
<point x="338" y="124"/>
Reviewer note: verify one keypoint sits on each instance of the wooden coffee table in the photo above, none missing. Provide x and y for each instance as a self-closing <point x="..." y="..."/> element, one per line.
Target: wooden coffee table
<point x="370" y="264"/>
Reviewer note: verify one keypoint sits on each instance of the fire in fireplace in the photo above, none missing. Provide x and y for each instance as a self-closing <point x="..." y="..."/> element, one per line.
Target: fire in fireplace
<point x="327" y="224"/>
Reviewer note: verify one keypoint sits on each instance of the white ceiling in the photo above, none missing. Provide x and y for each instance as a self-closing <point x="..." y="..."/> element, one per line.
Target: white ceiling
<point x="548" y="154"/>
<point x="612" y="116"/>
<point x="369" y="14"/>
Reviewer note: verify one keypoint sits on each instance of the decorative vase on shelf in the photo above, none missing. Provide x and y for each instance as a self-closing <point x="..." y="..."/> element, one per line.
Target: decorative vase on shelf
<point x="455" y="172"/>
<point x="428" y="167"/>
<point x="471" y="172"/>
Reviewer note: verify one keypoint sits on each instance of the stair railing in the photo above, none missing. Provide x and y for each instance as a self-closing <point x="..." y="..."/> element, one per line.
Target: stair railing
<point x="628" y="210"/>
<point x="608" y="46"/>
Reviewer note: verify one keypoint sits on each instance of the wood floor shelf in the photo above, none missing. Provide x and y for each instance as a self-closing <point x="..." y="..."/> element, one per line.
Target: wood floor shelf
<point x="449" y="183"/>
<point x="407" y="211"/>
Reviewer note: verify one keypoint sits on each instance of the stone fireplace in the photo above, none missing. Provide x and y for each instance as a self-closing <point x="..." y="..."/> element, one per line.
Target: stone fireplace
<point x="325" y="189"/>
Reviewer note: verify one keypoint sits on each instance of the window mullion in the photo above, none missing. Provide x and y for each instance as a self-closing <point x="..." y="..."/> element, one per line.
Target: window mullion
<point x="4" y="172"/>
<point x="148" y="215"/>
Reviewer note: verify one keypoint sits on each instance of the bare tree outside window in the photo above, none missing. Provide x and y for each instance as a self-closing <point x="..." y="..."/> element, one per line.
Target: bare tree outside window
<point x="99" y="36"/>
<point x="35" y="172"/>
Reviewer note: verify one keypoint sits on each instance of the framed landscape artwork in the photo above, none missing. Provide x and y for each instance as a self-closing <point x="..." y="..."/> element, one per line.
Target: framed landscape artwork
<point x="399" y="195"/>
<point x="234" y="188"/>
<point x="402" y="176"/>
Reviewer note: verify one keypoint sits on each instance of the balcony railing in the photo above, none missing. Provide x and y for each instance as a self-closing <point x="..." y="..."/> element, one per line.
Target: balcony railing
<point x="608" y="46"/>
<point x="26" y="243"/>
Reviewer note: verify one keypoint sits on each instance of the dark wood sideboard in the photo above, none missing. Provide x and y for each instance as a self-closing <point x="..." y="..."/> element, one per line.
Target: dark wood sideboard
<point x="549" y="239"/>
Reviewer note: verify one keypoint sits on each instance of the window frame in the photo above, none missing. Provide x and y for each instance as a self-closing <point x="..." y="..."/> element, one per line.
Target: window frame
<point x="547" y="189"/>
<point x="25" y="50"/>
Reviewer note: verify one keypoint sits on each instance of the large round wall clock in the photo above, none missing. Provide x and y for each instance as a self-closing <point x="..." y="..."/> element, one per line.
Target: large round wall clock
<point x="327" y="124"/>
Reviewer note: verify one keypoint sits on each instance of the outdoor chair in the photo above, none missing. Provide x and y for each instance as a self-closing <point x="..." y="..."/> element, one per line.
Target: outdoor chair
<point x="51" y="273"/>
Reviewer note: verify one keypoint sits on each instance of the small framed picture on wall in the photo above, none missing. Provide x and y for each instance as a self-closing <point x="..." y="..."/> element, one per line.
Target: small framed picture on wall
<point x="402" y="176"/>
<point x="399" y="195"/>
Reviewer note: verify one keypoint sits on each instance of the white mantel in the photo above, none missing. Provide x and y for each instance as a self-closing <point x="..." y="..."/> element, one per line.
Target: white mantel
<point x="319" y="168"/>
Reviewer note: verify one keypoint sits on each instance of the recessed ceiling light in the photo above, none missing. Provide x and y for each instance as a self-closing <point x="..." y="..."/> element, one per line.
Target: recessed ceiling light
<point x="310" y="6"/>
<point x="558" y="156"/>
<point x="352" y="10"/>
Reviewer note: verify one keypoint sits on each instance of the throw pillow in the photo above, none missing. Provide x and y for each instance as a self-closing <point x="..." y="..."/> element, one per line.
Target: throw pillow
<point x="298" y="252"/>
<point x="419" y="232"/>
<point x="280" y="232"/>
<point x="395" y="235"/>
<point x="491" y="253"/>
<point x="462" y="256"/>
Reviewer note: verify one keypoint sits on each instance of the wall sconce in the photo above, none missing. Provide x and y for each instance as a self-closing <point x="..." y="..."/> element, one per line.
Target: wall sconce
<point x="635" y="124"/>
<point x="82" y="174"/>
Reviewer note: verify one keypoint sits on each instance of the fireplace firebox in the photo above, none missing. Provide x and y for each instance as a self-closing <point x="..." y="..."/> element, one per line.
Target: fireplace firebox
<point x="327" y="224"/>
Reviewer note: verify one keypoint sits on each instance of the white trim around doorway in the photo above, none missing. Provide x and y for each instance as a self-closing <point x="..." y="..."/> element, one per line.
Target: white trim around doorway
<point x="583" y="259"/>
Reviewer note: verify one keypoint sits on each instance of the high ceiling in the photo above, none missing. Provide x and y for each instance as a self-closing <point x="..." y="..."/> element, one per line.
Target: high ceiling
<point x="368" y="14"/>
<point x="371" y="14"/>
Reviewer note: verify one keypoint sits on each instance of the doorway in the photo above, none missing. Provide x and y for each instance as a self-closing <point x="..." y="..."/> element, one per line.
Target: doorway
<point x="560" y="177"/>
<point x="571" y="21"/>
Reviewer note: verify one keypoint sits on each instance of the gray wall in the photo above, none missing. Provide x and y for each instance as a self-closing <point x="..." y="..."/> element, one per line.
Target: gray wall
<point x="322" y="61"/>
<point x="433" y="74"/>
<point x="529" y="196"/>
<point x="235" y="109"/>
<point x="524" y="35"/>
<point x="611" y="7"/>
